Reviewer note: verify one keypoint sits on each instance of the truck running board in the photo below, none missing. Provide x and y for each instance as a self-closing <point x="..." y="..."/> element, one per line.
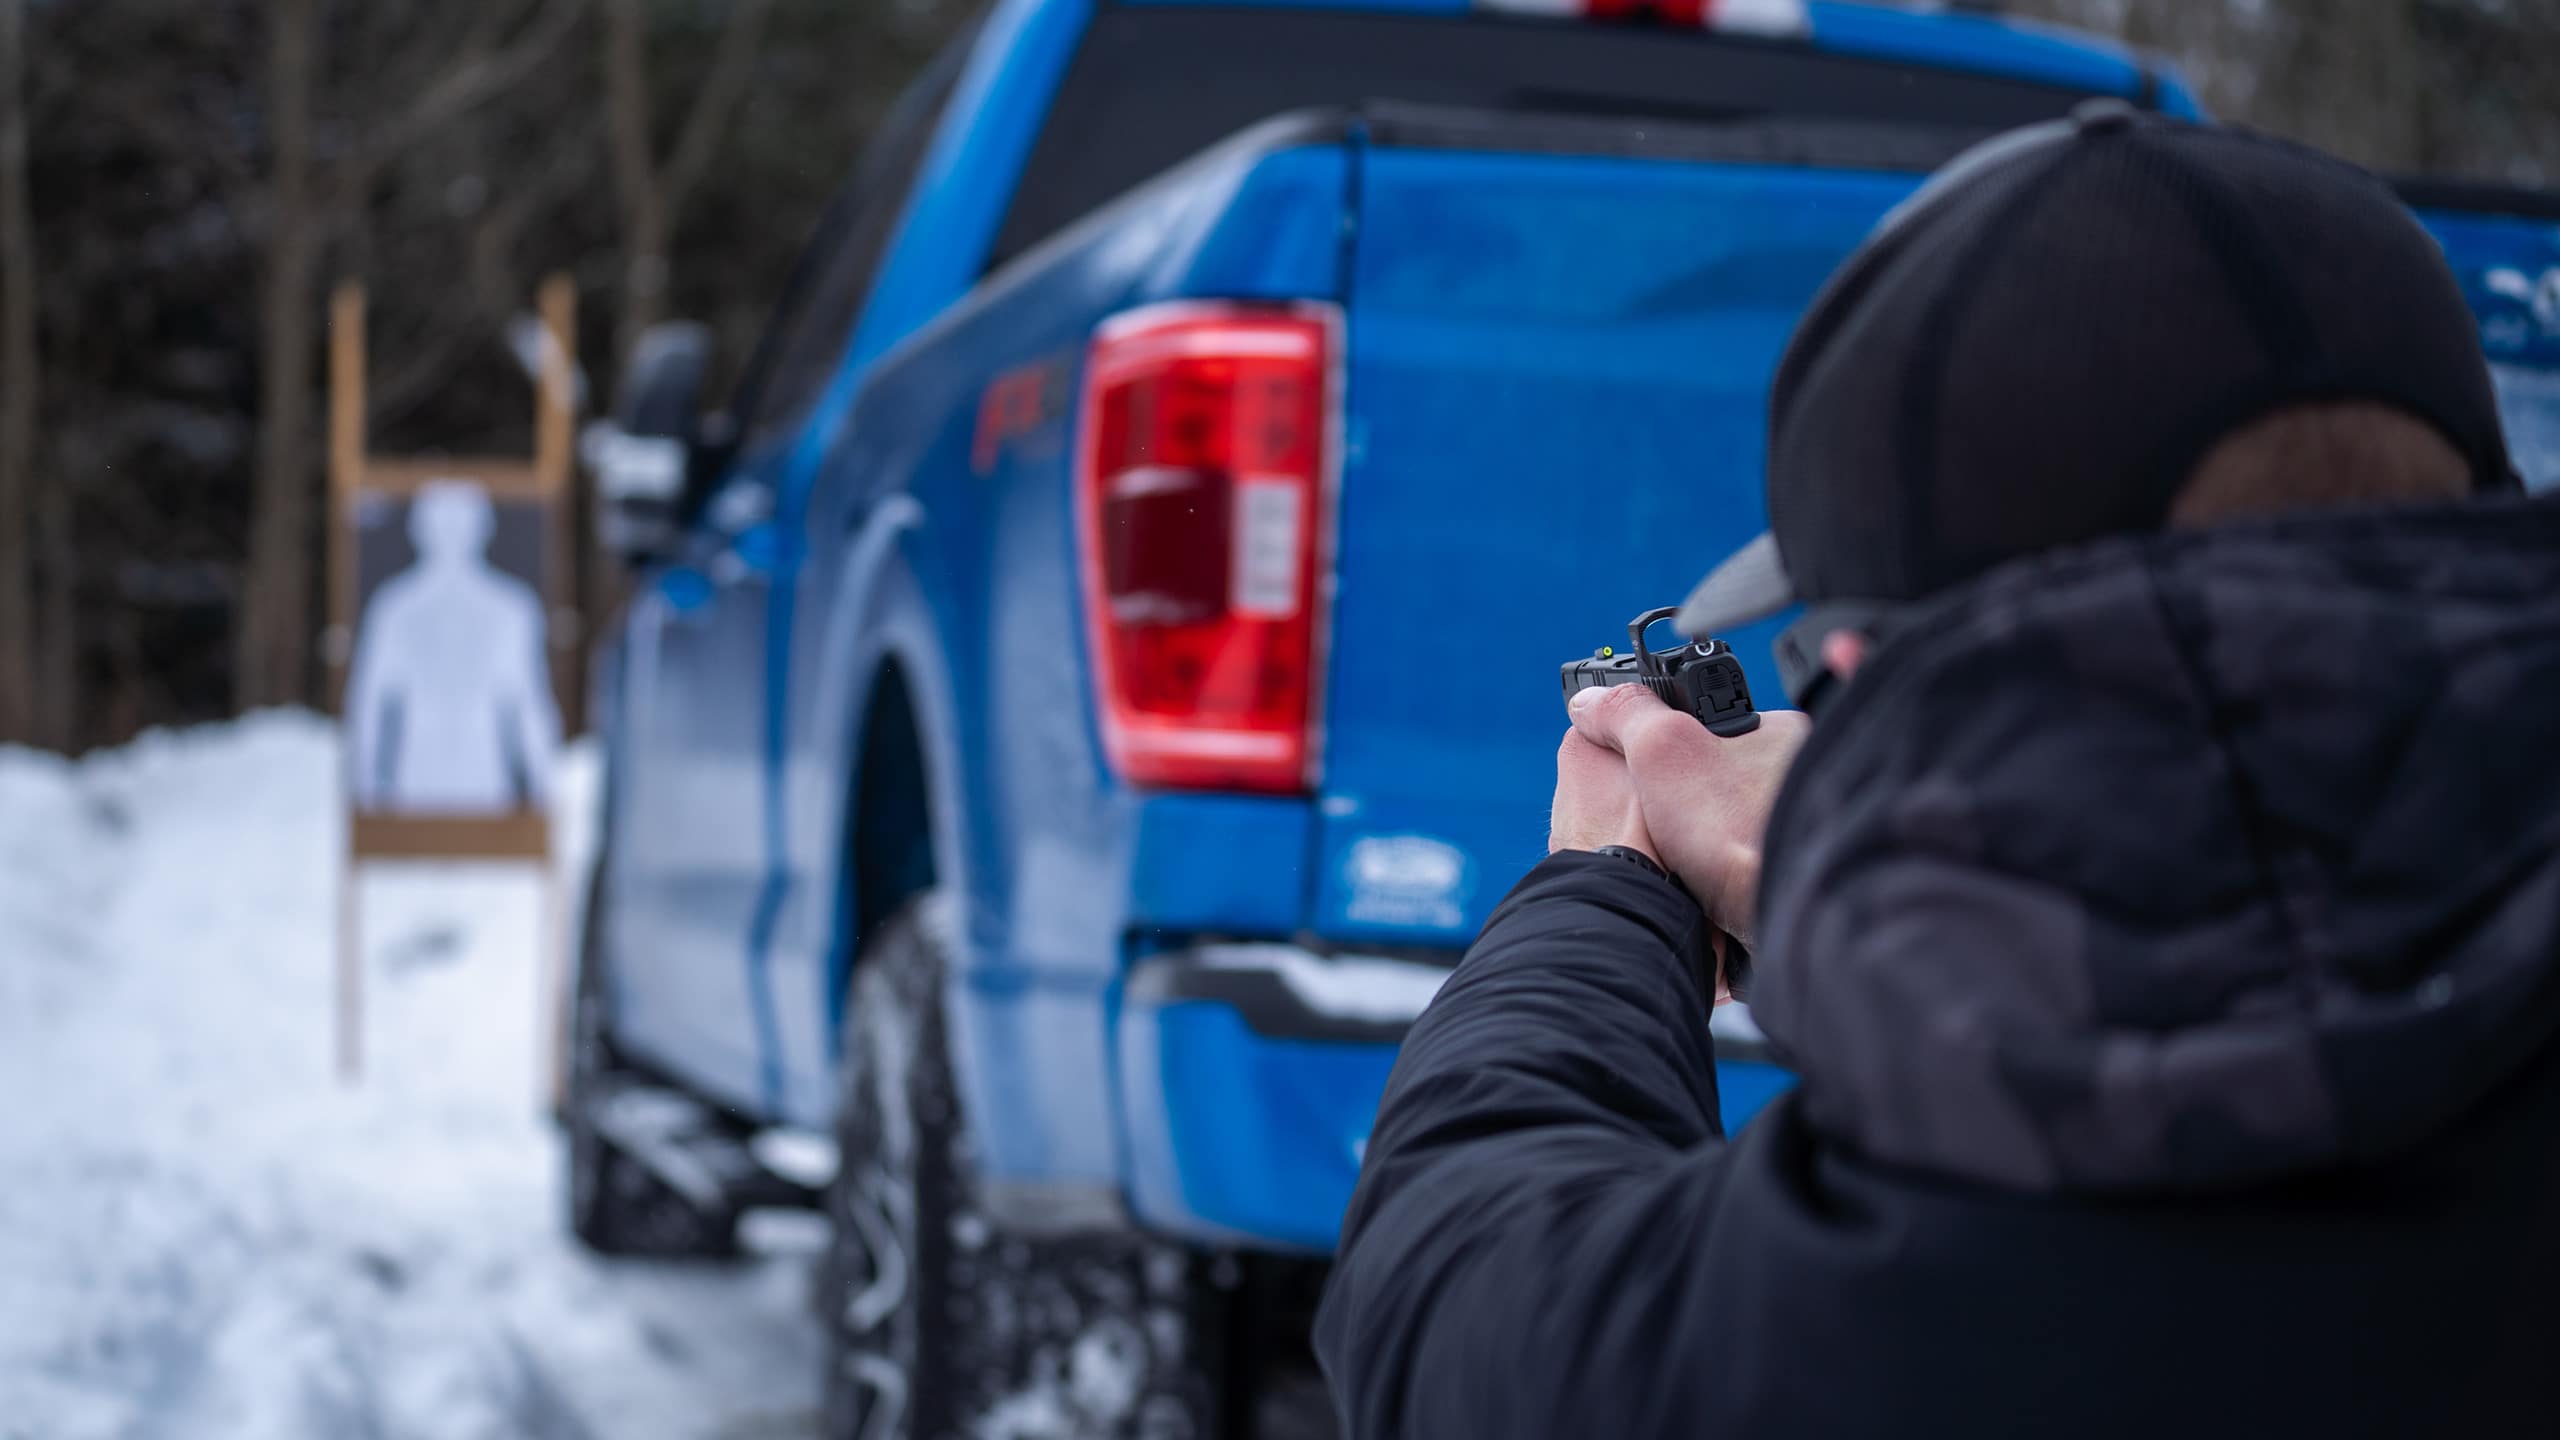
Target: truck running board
<point x="695" y="1151"/>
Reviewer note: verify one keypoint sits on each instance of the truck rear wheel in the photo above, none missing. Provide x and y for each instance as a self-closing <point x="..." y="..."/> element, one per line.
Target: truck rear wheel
<point x="940" y="1327"/>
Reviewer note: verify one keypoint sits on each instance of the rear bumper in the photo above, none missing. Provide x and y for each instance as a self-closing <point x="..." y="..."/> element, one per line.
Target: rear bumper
<point x="1249" y="1076"/>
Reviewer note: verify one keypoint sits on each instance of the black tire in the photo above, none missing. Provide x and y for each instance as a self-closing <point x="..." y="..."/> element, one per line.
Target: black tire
<point x="612" y="1203"/>
<point x="939" y="1327"/>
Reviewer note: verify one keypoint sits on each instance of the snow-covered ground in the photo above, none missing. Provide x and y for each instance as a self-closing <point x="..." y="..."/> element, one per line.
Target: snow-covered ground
<point x="203" y="1235"/>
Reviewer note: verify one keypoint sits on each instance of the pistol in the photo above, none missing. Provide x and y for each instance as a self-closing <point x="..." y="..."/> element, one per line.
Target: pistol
<point x="1702" y="678"/>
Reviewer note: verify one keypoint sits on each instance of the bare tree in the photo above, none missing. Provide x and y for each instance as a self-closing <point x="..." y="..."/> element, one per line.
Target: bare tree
<point x="653" y="193"/>
<point x="270" y="662"/>
<point x="197" y="174"/>
<point x="57" y="709"/>
<point x="18" y="719"/>
<point x="2445" y="87"/>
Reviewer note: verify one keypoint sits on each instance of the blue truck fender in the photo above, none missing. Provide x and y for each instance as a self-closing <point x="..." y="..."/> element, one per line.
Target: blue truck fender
<point x="881" y="634"/>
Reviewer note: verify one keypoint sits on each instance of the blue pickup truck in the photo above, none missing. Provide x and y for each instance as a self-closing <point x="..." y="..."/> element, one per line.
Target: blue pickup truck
<point x="1098" y="671"/>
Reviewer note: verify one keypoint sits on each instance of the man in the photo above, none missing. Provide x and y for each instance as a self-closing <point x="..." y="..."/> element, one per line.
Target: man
<point x="2164" y="915"/>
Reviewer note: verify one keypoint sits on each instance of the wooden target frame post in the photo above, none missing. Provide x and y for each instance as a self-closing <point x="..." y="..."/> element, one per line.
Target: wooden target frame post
<point x="544" y="479"/>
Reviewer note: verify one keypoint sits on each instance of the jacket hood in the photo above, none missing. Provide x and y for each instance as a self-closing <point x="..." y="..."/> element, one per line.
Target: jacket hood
<point x="2179" y="862"/>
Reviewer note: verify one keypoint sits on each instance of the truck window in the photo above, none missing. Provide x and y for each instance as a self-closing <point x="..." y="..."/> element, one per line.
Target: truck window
<point x="1151" y="85"/>
<point x="824" y="295"/>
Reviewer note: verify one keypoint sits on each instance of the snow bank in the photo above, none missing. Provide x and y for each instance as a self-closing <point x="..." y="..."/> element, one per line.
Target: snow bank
<point x="203" y="1235"/>
<point x="48" y="882"/>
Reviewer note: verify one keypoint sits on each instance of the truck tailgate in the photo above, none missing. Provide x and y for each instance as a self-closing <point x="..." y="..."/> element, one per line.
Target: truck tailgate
<point x="1557" y="371"/>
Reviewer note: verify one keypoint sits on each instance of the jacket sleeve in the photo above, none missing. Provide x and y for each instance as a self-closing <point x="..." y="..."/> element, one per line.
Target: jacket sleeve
<point x="1509" y="1265"/>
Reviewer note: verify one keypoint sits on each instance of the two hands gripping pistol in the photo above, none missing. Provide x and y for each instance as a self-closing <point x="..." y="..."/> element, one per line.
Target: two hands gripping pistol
<point x="1700" y="678"/>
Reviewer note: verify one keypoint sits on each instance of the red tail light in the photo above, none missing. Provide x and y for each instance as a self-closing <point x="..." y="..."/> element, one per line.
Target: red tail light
<point x="1204" y="493"/>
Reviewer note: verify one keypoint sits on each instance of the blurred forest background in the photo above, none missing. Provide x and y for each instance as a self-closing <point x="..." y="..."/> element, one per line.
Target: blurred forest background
<point x="181" y="182"/>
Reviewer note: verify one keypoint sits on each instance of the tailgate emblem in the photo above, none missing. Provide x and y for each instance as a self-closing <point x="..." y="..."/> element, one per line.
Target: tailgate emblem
<point x="1406" y="880"/>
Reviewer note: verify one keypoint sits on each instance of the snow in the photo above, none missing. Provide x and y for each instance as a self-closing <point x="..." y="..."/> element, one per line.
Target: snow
<point x="203" y="1234"/>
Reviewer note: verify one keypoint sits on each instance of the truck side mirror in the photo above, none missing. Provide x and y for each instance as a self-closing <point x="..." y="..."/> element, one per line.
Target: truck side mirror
<point x="643" y="456"/>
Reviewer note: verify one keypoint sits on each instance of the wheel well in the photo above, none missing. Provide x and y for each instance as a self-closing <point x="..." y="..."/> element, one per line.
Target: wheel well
<point x="889" y="834"/>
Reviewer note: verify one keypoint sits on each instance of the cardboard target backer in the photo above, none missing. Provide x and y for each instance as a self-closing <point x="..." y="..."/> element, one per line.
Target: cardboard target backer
<point x="446" y="575"/>
<point x="450" y="704"/>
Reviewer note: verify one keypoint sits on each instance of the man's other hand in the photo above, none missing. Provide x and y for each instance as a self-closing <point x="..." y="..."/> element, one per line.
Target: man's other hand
<point x="1595" y="801"/>
<point x="1703" y="799"/>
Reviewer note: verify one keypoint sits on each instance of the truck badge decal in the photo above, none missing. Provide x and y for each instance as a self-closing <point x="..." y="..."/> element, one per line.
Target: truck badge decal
<point x="1016" y="403"/>
<point x="1406" y="880"/>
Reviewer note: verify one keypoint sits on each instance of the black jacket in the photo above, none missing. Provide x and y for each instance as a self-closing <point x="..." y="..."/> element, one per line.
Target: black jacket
<point x="2167" y="934"/>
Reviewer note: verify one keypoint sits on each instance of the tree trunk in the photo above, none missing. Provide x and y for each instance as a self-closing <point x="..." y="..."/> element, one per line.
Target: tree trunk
<point x="18" y="393"/>
<point x="635" y="173"/>
<point x="271" y="663"/>
<point x="653" y="193"/>
<point x="57" y="638"/>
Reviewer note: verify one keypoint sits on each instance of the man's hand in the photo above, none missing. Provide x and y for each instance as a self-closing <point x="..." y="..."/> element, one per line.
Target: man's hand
<point x="1595" y="801"/>
<point x="1704" y="799"/>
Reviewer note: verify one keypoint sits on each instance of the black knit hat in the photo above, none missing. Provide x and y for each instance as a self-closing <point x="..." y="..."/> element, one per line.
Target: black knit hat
<point x="2038" y="346"/>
